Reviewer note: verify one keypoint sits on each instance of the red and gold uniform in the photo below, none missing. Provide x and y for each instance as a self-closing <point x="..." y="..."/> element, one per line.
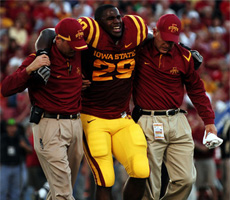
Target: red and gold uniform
<point x="109" y="66"/>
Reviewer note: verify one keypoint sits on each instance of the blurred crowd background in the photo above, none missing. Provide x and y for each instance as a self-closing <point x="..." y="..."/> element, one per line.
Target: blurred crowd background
<point x="206" y="28"/>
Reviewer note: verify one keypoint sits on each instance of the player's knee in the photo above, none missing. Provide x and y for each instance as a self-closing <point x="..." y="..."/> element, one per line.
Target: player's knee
<point x="107" y="180"/>
<point x="140" y="166"/>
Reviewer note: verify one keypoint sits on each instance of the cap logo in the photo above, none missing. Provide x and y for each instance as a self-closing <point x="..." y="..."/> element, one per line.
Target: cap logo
<point x="64" y="38"/>
<point x="173" y="28"/>
<point x="79" y="35"/>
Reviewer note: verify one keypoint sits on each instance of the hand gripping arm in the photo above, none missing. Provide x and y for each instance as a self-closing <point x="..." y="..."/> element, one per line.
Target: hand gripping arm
<point x="43" y="45"/>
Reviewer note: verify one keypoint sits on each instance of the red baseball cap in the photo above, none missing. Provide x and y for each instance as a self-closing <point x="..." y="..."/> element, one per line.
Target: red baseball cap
<point x="70" y="29"/>
<point x="169" y="26"/>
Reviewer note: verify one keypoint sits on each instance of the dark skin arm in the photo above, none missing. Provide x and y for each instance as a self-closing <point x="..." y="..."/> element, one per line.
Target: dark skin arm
<point x="45" y="39"/>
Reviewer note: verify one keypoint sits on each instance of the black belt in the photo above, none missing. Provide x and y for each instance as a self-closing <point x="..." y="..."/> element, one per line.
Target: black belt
<point x="58" y="116"/>
<point x="167" y="112"/>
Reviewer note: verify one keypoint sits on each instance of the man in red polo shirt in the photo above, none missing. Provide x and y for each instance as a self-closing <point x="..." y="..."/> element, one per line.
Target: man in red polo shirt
<point x="163" y="69"/>
<point x="56" y="105"/>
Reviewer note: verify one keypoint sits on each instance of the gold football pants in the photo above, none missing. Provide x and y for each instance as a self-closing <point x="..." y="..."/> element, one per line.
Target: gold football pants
<point x="121" y="138"/>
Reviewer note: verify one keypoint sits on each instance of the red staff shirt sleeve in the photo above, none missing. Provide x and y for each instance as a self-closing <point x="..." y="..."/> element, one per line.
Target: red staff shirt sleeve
<point x="197" y="94"/>
<point x="18" y="81"/>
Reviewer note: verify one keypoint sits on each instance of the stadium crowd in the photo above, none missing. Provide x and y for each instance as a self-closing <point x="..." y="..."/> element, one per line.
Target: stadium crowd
<point x="206" y="28"/>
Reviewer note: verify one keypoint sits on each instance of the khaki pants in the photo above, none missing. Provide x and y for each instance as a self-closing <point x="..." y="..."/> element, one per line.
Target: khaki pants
<point x="59" y="147"/>
<point x="176" y="150"/>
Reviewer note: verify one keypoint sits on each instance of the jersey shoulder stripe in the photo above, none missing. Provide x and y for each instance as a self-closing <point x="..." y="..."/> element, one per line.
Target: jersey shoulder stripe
<point x="140" y="26"/>
<point x="91" y="30"/>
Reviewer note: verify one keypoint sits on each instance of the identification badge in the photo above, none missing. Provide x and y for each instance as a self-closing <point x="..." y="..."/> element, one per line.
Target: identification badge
<point x="11" y="151"/>
<point x="158" y="131"/>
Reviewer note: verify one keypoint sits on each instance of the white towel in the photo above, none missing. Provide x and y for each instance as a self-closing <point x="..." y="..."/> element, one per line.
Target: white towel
<point x="211" y="141"/>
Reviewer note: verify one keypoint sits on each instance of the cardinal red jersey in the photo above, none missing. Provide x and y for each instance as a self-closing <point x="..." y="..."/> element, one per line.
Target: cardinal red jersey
<point x="61" y="94"/>
<point x="110" y="66"/>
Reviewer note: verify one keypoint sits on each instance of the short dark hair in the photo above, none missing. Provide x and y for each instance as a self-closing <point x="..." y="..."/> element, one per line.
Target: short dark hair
<point x="99" y="11"/>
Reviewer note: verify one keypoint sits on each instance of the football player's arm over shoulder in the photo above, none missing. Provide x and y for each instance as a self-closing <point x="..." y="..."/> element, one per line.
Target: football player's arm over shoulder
<point x="197" y="57"/>
<point x="45" y="39"/>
